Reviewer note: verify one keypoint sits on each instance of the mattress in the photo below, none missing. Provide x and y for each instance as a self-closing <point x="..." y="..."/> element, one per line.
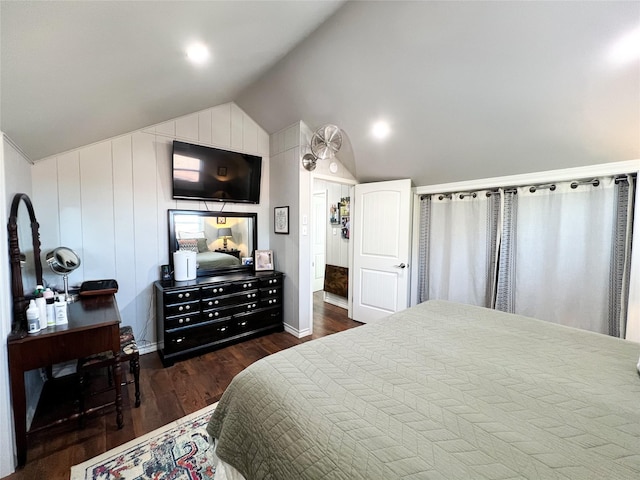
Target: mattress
<point x="438" y="391"/>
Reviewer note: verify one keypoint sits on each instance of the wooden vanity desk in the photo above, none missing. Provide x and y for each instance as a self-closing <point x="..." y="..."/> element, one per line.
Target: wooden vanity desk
<point x="94" y="327"/>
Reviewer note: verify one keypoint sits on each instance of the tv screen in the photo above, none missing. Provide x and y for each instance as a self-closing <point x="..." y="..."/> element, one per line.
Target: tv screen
<point x="207" y="173"/>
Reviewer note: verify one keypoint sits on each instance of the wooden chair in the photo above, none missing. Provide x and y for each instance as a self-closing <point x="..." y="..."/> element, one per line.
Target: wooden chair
<point x="128" y="352"/>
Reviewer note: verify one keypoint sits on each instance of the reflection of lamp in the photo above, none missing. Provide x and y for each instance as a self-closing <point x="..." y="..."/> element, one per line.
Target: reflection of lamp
<point x="63" y="261"/>
<point x="224" y="233"/>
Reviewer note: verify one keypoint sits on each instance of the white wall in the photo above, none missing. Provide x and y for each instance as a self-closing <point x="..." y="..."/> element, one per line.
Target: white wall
<point x="16" y="179"/>
<point x="108" y="201"/>
<point x="285" y="191"/>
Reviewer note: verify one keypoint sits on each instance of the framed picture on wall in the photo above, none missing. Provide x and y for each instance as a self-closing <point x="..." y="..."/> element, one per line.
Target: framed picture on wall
<point x="334" y="219"/>
<point x="281" y="220"/>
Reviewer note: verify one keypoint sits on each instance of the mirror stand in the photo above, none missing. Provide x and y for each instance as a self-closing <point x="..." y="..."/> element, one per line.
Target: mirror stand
<point x="20" y="302"/>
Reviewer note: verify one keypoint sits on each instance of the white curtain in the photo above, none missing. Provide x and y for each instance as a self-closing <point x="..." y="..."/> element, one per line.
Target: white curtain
<point x="462" y="248"/>
<point x="563" y="252"/>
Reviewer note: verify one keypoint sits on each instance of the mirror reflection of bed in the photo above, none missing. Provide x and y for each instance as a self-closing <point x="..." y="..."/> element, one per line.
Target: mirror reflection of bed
<point x="221" y="240"/>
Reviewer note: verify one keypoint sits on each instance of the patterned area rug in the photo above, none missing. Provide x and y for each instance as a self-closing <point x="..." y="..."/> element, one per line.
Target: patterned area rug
<point x="179" y="450"/>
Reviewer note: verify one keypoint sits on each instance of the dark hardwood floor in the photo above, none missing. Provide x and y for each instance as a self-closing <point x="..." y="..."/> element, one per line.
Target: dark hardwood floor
<point x="167" y="394"/>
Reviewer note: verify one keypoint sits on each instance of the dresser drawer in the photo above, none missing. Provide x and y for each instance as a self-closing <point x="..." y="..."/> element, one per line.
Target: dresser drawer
<point x="234" y="299"/>
<point x="261" y="318"/>
<point x="216" y="290"/>
<point x="229" y="288"/>
<point x="181" y="296"/>
<point x="186" y="338"/>
<point x="271" y="281"/>
<point x="181" y="320"/>
<point x="182" y="309"/>
<point x="270" y="302"/>
<point x="217" y="313"/>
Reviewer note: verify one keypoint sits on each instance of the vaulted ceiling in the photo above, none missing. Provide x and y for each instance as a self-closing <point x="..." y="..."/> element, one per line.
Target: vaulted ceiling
<point x="470" y="89"/>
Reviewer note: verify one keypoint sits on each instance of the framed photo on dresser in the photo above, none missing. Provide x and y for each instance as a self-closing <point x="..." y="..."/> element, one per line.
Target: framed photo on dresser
<point x="264" y="260"/>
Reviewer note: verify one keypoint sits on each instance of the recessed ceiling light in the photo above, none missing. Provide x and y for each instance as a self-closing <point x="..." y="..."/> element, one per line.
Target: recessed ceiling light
<point x="198" y="53"/>
<point x="627" y="48"/>
<point x="381" y="130"/>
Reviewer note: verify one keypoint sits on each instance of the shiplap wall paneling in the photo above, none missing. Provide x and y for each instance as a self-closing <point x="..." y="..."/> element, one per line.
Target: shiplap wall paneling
<point x="124" y="232"/>
<point x="167" y="128"/>
<point x="221" y="125"/>
<point x="96" y="193"/>
<point x="204" y="127"/>
<point x="237" y="117"/>
<point x="45" y="203"/>
<point x="165" y="201"/>
<point x="249" y="135"/>
<point x="70" y="207"/>
<point x="145" y="209"/>
<point x="187" y="127"/>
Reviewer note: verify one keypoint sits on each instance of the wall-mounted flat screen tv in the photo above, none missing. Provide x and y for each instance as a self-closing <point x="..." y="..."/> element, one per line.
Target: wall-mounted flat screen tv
<point x="207" y="173"/>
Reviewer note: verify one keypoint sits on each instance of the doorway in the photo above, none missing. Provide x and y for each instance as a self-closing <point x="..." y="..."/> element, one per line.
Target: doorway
<point x="330" y="241"/>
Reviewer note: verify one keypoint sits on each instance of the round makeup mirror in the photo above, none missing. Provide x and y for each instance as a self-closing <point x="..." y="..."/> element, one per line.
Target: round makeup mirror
<point x="63" y="261"/>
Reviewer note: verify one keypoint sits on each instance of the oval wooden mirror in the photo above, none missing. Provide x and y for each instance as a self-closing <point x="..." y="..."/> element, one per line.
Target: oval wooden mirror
<point x="24" y="255"/>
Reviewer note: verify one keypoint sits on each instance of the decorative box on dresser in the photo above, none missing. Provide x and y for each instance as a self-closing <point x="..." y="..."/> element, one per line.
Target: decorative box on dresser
<point x="196" y="316"/>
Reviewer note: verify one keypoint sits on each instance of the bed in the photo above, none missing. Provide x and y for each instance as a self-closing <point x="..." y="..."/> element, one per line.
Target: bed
<point x="438" y="391"/>
<point x="205" y="258"/>
<point x="209" y="260"/>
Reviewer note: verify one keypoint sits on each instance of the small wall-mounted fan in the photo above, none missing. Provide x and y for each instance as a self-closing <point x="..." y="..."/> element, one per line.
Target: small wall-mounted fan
<point x="325" y="143"/>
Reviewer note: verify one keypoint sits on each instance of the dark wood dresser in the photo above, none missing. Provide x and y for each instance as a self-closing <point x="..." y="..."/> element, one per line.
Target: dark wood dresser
<point x="211" y="312"/>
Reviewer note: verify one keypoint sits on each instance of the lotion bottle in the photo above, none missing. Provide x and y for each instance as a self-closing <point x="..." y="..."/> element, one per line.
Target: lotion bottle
<point x="51" y="312"/>
<point x="33" y="317"/>
<point x="61" y="311"/>
<point x="41" y="303"/>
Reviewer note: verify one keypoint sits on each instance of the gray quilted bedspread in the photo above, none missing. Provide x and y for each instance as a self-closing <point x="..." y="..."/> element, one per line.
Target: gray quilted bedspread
<point x="438" y="391"/>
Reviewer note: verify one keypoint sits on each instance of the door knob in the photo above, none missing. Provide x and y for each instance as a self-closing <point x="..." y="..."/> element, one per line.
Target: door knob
<point x="402" y="265"/>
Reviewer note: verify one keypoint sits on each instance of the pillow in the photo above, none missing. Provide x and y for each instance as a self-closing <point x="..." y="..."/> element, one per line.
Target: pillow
<point x="188" y="244"/>
<point x="202" y="245"/>
<point x="190" y="235"/>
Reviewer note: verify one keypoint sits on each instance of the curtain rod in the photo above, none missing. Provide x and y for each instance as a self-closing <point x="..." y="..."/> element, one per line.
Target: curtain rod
<point x="513" y="189"/>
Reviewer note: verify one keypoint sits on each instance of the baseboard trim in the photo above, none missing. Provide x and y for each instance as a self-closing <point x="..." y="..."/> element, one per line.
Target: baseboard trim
<point x="297" y="333"/>
<point x="147" y="348"/>
<point x="336" y="300"/>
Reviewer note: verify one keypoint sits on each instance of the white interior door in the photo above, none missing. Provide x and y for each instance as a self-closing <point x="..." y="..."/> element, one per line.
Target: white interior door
<point x="320" y="219"/>
<point x="381" y="248"/>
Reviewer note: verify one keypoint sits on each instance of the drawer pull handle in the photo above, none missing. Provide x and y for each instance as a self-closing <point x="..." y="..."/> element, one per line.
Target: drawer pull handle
<point x="187" y="295"/>
<point x="243" y="324"/>
<point x="221" y="290"/>
<point x="215" y="290"/>
<point x="181" y="321"/>
<point x="223" y="329"/>
<point x="216" y="302"/>
<point x="180" y="295"/>
<point x="179" y="340"/>
<point x="180" y="308"/>
<point x="188" y="307"/>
